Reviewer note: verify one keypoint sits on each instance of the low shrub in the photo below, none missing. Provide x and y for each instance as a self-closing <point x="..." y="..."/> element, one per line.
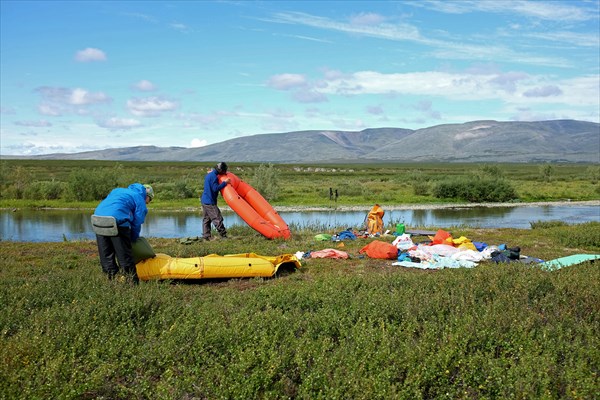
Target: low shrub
<point x="94" y="184"/>
<point x="475" y="190"/>
<point x="420" y="188"/>
<point x="582" y="236"/>
<point x="266" y="181"/>
<point x="180" y="189"/>
<point x="44" y="190"/>
<point x="547" y="224"/>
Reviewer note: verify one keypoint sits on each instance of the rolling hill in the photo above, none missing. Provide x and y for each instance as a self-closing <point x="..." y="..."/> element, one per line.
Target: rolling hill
<point x="476" y="141"/>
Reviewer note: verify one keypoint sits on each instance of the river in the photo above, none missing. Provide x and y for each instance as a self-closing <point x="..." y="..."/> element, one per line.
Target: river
<point x="60" y="225"/>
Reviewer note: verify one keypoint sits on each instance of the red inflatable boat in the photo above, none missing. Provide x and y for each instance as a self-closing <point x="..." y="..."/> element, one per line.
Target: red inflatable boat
<point x="253" y="208"/>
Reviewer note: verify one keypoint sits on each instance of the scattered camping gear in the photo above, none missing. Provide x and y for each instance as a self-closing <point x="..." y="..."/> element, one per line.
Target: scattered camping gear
<point x="104" y="226"/>
<point x="190" y="239"/>
<point x="441" y="263"/>
<point x="323" y="237"/>
<point x="374" y="220"/>
<point x="574" y="259"/>
<point x="245" y="265"/>
<point x="252" y="207"/>
<point x="141" y="250"/>
<point x="329" y="253"/>
<point x="400" y="229"/>
<point x="506" y="255"/>
<point x="403" y="242"/>
<point x="346" y="234"/>
<point x="442" y="237"/>
<point x="379" y="249"/>
<point x="418" y="232"/>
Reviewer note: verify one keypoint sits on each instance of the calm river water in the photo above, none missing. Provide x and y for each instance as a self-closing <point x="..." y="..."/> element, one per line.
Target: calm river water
<point x="59" y="225"/>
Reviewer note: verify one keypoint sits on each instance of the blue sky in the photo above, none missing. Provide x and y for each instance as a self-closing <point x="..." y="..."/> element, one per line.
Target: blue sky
<point x="78" y="76"/>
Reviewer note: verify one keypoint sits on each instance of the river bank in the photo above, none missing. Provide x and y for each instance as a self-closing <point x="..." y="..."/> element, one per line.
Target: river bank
<point x="438" y="206"/>
<point x="391" y="207"/>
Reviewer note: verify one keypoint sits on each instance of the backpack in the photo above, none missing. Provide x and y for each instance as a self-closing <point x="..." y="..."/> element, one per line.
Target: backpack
<point x="375" y="220"/>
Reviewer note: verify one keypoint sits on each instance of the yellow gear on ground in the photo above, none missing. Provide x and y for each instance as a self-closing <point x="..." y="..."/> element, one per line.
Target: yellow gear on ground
<point x="245" y="265"/>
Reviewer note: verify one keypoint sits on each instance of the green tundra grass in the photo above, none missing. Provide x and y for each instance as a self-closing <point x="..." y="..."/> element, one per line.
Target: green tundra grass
<point x="334" y="329"/>
<point x="178" y="185"/>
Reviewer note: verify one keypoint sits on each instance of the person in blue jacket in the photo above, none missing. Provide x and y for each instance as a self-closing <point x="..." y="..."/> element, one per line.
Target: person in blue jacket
<point x="129" y="207"/>
<point x="210" y="210"/>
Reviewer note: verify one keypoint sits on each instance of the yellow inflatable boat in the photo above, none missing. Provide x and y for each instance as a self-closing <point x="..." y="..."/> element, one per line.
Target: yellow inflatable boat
<point x="246" y="265"/>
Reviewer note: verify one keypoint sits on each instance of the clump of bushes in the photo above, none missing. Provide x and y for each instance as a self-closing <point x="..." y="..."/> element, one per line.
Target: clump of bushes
<point x="420" y="188"/>
<point x="475" y="190"/>
<point x="266" y="181"/>
<point x="180" y="189"/>
<point x="44" y="190"/>
<point x="94" y="184"/>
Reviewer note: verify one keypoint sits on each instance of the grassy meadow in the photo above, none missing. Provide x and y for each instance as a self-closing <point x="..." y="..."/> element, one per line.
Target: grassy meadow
<point x="178" y="185"/>
<point x="358" y="328"/>
<point x="334" y="329"/>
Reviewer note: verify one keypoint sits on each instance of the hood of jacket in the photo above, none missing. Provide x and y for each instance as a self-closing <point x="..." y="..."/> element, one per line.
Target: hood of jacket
<point x="138" y="188"/>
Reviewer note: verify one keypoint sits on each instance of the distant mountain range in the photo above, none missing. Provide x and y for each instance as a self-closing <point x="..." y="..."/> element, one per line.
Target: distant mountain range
<point x="477" y="141"/>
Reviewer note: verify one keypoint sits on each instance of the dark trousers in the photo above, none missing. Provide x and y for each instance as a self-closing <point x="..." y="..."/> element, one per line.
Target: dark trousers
<point x="212" y="214"/>
<point x="116" y="248"/>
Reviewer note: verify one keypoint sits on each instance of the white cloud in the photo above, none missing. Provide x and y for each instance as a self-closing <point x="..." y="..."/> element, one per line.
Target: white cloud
<point x="144" y="17"/>
<point x="150" y="106"/>
<point x="367" y="19"/>
<point x="90" y="54"/>
<point x="442" y="49"/>
<point x="80" y="96"/>
<point x="49" y="110"/>
<point x="58" y="101"/>
<point x="71" y="97"/>
<point x="575" y="38"/>
<point x="7" y="110"/>
<point x="114" y="124"/>
<point x="309" y="96"/>
<point x="303" y="90"/>
<point x="312" y="39"/>
<point x="375" y="110"/>
<point x="34" y="124"/>
<point x="145" y="86"/>
<point x="180" y="27"/>
<point x="399" y="31"/>
<point x="544" y="91"/>
<point x="198" y="142"/>
<point x="583" y="91"/>
<point x="544" y="10"/>
<point x="287" y="81"/>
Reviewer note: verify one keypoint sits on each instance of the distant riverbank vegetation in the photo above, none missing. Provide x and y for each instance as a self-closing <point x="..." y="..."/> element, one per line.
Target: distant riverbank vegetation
<point x="81" y="184"/>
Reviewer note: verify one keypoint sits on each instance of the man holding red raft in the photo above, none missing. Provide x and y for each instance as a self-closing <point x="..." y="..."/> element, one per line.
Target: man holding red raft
<point x="212" y="213"/>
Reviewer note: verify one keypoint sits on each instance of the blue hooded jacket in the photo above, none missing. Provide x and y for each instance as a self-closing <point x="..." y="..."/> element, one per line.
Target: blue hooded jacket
<point x="212" y="187"/>
<point x="128" y="206"/>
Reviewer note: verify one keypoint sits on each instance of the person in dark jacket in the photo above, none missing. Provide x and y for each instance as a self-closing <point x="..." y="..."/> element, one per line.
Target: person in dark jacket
<point x="210" y="210"/>
<point x="129" y="208"/>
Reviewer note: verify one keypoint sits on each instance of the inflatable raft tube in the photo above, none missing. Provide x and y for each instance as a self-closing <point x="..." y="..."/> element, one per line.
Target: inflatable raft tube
<point x="247" y="265"/>
<point x="246" y="202"/>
